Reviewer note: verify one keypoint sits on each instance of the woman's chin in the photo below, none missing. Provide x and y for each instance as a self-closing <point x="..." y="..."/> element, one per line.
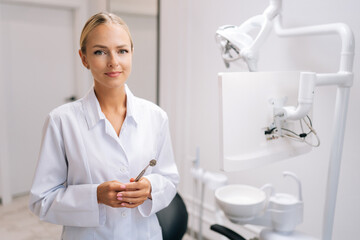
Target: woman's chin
<point x="110" y="84"/>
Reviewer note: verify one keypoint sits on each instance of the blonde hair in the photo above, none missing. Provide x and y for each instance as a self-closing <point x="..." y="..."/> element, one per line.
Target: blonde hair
<point x="96" y="20"/>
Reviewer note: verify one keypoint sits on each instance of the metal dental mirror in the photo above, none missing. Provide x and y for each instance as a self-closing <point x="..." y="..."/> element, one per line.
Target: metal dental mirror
<point x="151" y="163"/>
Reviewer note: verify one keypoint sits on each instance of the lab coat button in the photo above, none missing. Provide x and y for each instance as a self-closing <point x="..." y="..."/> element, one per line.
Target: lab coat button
<point x="123" y="214"/>
<point x="123" y="169"/>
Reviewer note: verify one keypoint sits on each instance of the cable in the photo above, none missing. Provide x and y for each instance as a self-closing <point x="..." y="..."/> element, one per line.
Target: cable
<point x="314" y="132"/>
<point x="288" y="130"/>
<point x="301" y="137"/>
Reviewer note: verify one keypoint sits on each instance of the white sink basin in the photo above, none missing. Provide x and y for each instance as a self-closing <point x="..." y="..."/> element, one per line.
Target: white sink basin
<point x="240" y="201"/>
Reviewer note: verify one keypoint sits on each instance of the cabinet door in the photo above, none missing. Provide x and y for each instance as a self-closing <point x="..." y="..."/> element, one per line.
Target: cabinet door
<point x="37" y="74"/>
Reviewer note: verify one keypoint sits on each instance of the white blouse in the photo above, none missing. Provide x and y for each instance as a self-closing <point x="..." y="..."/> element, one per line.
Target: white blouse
<point x="80" y="150"/>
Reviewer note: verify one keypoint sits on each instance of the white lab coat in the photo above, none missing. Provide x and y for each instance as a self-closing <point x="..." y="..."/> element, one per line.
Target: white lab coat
<point x="80" y="150"/>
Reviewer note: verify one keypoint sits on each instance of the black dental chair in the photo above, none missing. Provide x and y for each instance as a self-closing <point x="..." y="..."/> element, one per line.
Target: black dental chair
<point x="173" y="219"/>
<point x="230" y="234"/>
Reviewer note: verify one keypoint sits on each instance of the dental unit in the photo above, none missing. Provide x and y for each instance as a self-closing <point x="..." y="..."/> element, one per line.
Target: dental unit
<point x="239" y="43"/>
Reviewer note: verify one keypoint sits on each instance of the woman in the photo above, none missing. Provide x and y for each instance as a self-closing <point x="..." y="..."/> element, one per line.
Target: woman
<point x="91" y="149"/>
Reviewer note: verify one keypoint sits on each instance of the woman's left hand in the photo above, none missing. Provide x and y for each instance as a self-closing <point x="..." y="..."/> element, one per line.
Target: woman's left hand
<point x="135" y="193"/>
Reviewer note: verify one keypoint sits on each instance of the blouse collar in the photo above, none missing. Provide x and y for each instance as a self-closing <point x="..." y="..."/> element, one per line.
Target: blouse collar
<point x="92" y="109"/>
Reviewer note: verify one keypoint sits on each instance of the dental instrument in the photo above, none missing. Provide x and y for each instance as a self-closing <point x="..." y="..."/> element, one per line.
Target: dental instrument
<point x="151" y="164"/>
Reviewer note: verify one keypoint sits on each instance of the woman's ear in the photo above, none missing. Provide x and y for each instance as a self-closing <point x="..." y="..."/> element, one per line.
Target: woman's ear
<point x="83" y="59"/>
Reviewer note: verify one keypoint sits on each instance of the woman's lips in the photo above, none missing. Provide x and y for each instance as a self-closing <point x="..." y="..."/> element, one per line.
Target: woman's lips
<point x="113" y="74"/>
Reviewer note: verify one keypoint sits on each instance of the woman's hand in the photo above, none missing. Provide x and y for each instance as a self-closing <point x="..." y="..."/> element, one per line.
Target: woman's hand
<point x="106" y="193"/>
<point x="135" y="194"/>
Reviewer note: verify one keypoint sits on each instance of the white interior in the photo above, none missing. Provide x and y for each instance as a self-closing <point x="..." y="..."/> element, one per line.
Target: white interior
<point x="190" y="62"/>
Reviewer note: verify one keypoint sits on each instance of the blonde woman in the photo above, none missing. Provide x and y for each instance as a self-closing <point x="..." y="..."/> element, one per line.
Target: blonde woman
<point x="91" y="149"/>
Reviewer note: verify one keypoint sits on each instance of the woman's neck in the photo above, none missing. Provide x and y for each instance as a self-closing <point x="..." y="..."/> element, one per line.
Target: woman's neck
<point x="111" y="99"/>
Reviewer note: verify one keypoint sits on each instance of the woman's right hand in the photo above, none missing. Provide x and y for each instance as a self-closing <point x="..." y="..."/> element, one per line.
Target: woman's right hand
<point x="107" y="191"/>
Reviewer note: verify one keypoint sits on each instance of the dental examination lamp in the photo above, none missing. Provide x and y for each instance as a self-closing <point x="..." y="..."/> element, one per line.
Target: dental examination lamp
<point x="240" y="43"/>
<point x="237" y="43"/>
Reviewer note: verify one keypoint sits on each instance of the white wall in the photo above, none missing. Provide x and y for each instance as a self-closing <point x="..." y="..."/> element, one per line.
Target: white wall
<point x="137" y="7"/>
<point x="189" y="63"/>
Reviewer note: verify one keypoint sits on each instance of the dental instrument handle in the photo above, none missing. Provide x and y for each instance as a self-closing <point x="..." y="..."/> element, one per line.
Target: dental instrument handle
<point x="141" y="174"/>
<point x="151" y="163"/>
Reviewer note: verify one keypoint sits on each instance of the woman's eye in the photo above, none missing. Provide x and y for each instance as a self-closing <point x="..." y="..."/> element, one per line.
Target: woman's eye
<point x="99" y="52"/>
<point x="123" y="51"/>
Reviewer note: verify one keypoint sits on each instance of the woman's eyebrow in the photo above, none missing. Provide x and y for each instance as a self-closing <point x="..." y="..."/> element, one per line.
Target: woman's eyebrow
<point x="99" y="46"/>
<point x="122" y="46"/>
<point x="102" y="46"/>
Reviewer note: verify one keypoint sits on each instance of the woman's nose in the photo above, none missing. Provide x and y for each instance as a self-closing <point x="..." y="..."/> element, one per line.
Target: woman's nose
<point x="113" y="61"/>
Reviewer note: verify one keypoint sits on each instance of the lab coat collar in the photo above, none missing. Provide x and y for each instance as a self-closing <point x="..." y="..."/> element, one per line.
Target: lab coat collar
<point x="130" y="105"/>
<point x="92" y="109"/>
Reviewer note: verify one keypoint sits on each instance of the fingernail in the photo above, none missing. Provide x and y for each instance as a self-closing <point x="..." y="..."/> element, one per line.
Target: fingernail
<point x="123" y="204"/>
<point x="119" y="198"/>
<point x="119" y="195"/>
<point x="122" y="186"/>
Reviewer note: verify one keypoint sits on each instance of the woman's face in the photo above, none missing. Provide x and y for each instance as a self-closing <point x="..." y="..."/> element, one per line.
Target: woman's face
<point x="108" y="55"/>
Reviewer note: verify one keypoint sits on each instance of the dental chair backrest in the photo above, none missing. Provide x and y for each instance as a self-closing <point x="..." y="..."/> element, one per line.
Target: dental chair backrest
<point x="173" y="219"/>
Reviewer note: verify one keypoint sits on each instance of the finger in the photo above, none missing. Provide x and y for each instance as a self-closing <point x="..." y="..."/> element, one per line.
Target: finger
<point x="132" y="196"/>
<point x="134" y="202"/>
<point x="132" y="185"/>
<point x="142" y="183"/>
<point x="113" y="203"/>
<point x="116" y="204"/>
<point x="141" y="198"/>
<point x="133" y="193"/>
<point x="130" y="205"/>
<point x="117" y="186"/>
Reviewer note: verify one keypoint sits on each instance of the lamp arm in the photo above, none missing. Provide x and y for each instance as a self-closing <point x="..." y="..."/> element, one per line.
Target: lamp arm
<point x="341" y="29"/>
